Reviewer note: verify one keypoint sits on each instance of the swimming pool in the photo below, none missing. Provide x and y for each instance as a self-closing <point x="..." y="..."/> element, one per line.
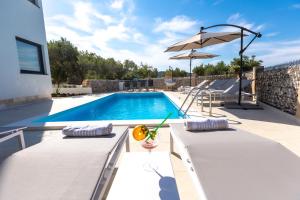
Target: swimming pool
<point x="120" y="106"/>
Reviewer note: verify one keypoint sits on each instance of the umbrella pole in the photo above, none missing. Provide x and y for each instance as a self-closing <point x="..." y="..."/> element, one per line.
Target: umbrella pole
<point x="241" y="68"/>
<point x="190" y="72"/>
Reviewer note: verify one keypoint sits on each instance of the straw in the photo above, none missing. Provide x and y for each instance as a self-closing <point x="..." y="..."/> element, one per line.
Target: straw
<point x="160" y="125"/>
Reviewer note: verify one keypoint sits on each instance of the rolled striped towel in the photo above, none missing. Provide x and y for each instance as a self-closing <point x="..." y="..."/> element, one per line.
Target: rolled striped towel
<point x="201" y="124"/>
<point x="88" y="131"/>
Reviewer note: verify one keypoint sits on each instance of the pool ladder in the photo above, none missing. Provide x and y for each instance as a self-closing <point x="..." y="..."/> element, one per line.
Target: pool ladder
<point x="187" y="97"/>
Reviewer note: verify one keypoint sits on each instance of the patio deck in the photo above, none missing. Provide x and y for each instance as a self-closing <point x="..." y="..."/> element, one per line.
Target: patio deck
<point x="269" y="123"/>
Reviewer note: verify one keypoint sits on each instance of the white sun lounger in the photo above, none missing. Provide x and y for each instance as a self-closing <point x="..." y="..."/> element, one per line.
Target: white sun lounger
<point x="201" y="85"/>
<point x="237" y="165"/>
<point x="62" y="168"/>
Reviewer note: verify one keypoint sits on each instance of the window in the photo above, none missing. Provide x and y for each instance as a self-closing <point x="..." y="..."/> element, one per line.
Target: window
<point x="30" y="57"/>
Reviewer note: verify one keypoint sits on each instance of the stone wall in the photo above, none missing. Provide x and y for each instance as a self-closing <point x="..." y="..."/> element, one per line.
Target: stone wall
<point x="100" y="86"/>
<point x="279" y="86"/>
<point x="159" y="83"/>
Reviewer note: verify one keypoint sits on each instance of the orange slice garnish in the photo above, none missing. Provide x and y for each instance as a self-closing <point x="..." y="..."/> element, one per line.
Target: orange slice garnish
<point x="140" y="132"/>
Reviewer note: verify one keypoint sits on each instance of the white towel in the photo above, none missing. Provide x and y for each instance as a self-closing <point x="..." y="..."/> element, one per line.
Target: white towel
<point x="88" y="131"/>
<point x="201" y="124"/>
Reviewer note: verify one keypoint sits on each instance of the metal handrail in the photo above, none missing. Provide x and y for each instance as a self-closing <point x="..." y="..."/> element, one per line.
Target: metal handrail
<point x="199" y="90"/>
<point x="186" y="99"/>
<point x="189" y="94"/>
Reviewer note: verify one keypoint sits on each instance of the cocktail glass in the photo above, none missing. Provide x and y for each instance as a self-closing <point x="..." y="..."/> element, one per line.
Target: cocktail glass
<point x="150" y="144"/>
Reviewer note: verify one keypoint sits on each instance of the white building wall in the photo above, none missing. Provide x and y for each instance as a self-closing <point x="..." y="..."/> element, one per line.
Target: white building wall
<point x="23" y="19"/>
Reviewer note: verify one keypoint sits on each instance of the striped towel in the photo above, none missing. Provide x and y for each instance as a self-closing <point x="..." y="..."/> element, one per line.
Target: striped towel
<point x="201" y="124"/>
<point x="88" y="131"/>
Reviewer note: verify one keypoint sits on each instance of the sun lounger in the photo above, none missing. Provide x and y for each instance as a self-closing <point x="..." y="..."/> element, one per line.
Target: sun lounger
<point x="7" y="133"/>
<point x="219" y="84"/>
<point x="226" y="91"/>
<point x="62" y="168"/>
<point x="201" y="85"/>
<point x="231" y="91"/>
<point x="234" y="165"/>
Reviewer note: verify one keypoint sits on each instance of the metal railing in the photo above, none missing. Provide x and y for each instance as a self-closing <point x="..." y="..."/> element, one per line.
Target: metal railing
<point x="191" y="103"/>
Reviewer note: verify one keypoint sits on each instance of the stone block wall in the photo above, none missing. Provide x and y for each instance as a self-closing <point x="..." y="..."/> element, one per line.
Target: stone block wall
<point x="100" y="86"/>
<point x="279" y="87"/>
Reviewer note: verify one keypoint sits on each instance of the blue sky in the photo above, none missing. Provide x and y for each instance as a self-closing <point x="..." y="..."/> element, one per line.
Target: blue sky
<point x="141" y="30"/>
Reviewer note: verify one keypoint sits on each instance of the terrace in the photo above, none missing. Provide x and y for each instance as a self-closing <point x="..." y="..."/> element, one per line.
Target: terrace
<point x="80" y="119"/>
<point x="269" y="123"/>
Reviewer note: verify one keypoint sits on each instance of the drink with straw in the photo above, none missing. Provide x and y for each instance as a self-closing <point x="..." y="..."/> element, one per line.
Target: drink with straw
<point x="148" y="138"/>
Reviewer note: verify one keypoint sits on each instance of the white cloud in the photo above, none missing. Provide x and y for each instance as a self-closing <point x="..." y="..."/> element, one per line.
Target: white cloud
<point x="296" y="6"/>
<point x="117" y="4"/>
<point x="83" y="19"/>
<point x="95" y="30"/>
<point x="238" y="19"/>
<point x="177" y="28"/>
<point x="179" y="24"/>
<point x="89" y="29"/>
<point x="217" y="2"/>
<point x="272" y="34"/>
<point x="276" y="52"/>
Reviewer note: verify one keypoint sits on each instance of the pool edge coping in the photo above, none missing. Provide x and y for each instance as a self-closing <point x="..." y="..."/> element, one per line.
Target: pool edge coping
<point x="59" y="125"/>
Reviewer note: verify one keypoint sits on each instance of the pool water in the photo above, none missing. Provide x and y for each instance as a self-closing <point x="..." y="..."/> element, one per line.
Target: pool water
<point x="120" y="106"/>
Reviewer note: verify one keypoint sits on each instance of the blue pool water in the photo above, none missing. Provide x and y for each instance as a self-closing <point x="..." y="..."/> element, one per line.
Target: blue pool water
<point x="120" y="106"/>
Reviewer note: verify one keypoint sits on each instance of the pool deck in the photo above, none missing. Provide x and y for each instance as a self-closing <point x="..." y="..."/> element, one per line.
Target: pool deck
<point x="269" y="123"/>
<point x="43" y="109"/>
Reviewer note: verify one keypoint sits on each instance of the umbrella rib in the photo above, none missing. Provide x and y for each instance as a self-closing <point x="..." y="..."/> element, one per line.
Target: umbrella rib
<point x="220" y="39"/>
<point x="183" y="47"/>
<point x="202" y="43"/>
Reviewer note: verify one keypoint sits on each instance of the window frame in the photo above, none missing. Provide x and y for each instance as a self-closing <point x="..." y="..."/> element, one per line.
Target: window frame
<point x="40" y="57"/>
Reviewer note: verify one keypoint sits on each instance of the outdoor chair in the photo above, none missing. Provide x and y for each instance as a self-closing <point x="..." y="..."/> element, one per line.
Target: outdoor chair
<point x="7" y="133"/>
<point x="232" y="91"/>
<point x="150" y="84"/>
<point x="134" y="84"/>
<point x="234" y="164"/>
<point x="201" y="85"/>
<point x="218" y="84"/>
<point x="143" y="84"/>
<point x="62" y="167"/>
<point x="127" y="85"/>
<point x="229" y="91"/>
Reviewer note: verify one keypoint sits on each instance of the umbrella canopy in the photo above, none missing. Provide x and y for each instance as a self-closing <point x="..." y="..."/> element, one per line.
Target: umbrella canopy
<point x="193" y="55"/>
<point x="203" y="39"/>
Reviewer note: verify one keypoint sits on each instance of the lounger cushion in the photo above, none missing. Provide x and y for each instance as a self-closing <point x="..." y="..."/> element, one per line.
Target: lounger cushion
<point x="88" y="130"/>
<point x="235" y="165"/>
<point x="58" y="168"/>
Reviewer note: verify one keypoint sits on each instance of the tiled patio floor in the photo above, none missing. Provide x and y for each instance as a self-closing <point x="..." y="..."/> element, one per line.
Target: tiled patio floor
<point x="268" y="123"/>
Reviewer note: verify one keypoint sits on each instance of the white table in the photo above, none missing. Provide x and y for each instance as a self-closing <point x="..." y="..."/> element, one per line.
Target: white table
<point x="132" y="181"/>
<point x="7" y="133"/>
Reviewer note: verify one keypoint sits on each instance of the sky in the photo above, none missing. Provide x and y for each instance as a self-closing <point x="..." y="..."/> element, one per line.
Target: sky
<point x="140" y="30"/>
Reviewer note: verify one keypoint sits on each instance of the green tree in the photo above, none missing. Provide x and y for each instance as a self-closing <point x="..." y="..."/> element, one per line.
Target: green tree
<point x="69" y="65"/>
<point x="130" y="69"/>
<point x="177" y="72"/>
<point x="248" y="63"/>
<point x="87" y="64"/>
<point x="63" y="60"/>
<point x="199" y="70"/>
<point x="221" y="68"/>
<point x="209" y="69"/>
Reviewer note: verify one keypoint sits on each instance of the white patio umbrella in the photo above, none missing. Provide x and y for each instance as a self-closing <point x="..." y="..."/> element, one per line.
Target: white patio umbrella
<point x="192" y="55"/>
<point x="203" y="39"/>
